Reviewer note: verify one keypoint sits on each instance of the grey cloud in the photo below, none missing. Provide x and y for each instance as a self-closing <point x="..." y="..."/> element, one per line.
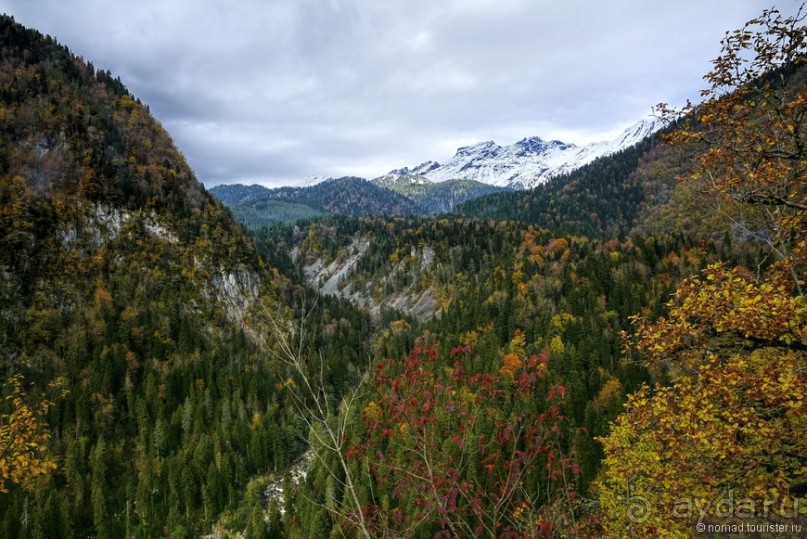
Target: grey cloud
<point x="276" y="91"/>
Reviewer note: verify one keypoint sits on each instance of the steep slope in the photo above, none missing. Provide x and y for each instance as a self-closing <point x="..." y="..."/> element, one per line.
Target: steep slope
<point x="435" y="197"/>
<point x="609" y="196"/>
<point x="120" y="275"/>
<point x="528" y="162"/>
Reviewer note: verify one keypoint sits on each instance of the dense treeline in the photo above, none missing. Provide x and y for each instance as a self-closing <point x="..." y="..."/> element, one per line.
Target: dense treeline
<point x="608" y="197"/>
<point x="605" y="334"/>
<point x="509" y="292"/>
<point x="133" y="288"/>
<point x="269" y="212"/>
<point x="435" y="197"/>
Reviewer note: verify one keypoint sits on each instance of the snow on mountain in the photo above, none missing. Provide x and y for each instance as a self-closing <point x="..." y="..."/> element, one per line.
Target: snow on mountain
<point x="434" y="197"/>
<point x="419" y="170"/>
<point x="396" y="177"/>
<point x="528" y="162"/>
<point x="308" y="181"/>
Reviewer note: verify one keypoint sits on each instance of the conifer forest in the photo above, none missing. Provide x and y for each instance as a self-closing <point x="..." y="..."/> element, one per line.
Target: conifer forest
<point x="610" y="354"/>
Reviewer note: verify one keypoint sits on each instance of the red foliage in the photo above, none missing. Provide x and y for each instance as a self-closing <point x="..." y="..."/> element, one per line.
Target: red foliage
<point x="468" y="452"/>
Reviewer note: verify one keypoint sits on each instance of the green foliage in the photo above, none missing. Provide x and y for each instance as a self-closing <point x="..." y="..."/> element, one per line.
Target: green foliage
<point x="268" y="212"/>
<point x="124" y="277"/>
<point x="507" y="290"/>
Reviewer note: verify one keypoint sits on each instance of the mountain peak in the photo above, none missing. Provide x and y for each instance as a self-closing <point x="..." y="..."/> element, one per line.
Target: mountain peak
<point x="400" y="179"/>
<point x="537" y="145"/>
<point x="479" y="147"/>
<point x="420" y="170"/>
<point x="528" y="162"/>
<point x="639" y="130"/>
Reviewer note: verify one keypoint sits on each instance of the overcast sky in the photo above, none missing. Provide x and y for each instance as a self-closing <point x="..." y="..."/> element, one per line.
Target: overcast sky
<point x="275" y="91"/>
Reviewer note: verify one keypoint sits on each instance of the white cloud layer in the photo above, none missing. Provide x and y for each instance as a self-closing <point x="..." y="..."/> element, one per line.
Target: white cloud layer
<point x="275" y="91"/>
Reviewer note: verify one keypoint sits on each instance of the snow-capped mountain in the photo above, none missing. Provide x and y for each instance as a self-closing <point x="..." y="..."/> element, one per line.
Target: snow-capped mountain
<point x="528" y="162"/>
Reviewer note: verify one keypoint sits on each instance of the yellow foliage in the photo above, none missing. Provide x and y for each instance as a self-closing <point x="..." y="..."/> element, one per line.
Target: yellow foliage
<point x="559" y="323"/>
<point x="558" y="245"/>
<point x="556" y="345"/>
<point x="102" y="297"/>
<point x="397" y="326"/>
<point x="518" y="342"/>
<point x="735" y="429"/>
<point x="610" y="397"/>
<point x="372" y="410"/>
<point x="723" y="301"/>
<point x="23" y="438"/>
<point x="470" y="339"/>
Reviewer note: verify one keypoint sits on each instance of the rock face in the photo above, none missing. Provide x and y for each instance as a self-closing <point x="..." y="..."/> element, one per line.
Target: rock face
<point x="298" y="472"/>
<point x="236" y="291"/>
<point x="338" y="278"/>
<point x="105" y="222"/>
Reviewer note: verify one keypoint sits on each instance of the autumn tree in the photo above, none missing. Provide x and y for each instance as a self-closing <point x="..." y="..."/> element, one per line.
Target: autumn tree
<point x="733" y="342"/>
<point x="466" y="455"/>
<point x="735" y="429"/>
<point x="732" y="422"/>
<point x="751" y="126"/>
<point x="24" y="435"/>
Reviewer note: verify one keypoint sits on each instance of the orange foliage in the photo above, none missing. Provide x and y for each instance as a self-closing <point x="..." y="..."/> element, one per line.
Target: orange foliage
<point x="511" y="363"/>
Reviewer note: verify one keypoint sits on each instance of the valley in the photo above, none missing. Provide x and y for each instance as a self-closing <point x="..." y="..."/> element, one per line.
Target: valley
<point x="429" y="188"/>
<point x="521" y="342"/>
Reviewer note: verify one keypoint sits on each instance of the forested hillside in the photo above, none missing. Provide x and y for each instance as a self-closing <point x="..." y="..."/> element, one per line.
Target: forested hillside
<point x="256" y="206"/>
<point x="603" y="198"/>
<point x="130" y="301"/>
<point x="613" y="354"/>
<point x="508" y="295"/>
<point x="435" y="197"/>
<point x="340" y="196"/>
<point x="572" y="383"/>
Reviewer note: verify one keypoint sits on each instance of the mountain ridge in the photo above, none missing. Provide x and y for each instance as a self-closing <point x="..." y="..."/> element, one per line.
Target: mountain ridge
<point x="528" y="162"/>
<point x="477" y="170"/>
<point x="348" y="195"/>
<point x="436" y="197"/>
